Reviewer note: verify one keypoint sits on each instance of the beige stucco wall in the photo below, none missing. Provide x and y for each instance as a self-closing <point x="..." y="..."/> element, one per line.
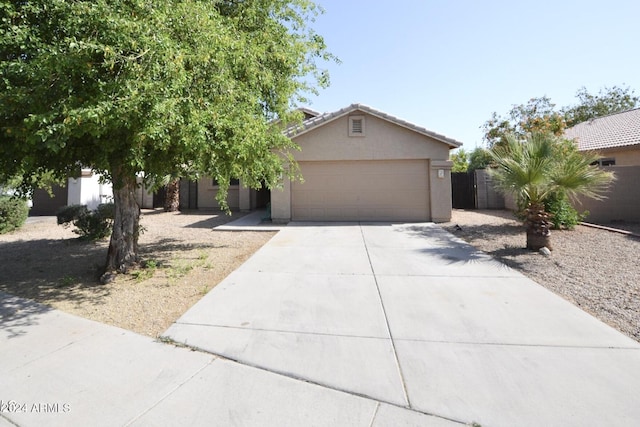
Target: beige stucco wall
<point x="622" y="202"/>
<point x="440" y="193"/>
<point x="281" y="202"/>
<point x="624" y="157"/>
<point x="383" y="140"/>
<point x="207" y="195"/>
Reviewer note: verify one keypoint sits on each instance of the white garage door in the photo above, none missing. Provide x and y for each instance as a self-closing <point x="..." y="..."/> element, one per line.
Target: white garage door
<point x="379" y="190"/>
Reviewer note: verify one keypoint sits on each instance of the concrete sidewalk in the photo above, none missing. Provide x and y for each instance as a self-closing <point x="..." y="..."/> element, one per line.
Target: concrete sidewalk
<point x="412" y="317"/>
<point x="61" y="370"/>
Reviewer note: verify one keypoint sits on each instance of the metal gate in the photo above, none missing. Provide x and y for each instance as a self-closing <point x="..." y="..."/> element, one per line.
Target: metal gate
<point x="463" y="190"/>
<point x="188" y="194"/>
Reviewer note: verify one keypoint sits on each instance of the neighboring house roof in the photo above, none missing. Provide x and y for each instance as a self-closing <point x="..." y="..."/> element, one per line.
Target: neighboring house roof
<point x="309" y="113"/>
<point x="325" y="118"/>
<point x="613" y="131"/>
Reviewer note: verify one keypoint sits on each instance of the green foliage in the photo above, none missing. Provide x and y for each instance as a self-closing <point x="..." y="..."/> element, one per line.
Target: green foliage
<point x="540" y="114"/>
<point x="479" y="159"/>
<point x="563" y="214"/>
<point x="67" y="214"/>
<point x="166" y="88"/>
<point x="537" y="115"/>
<point x="607" y="101"/>
<point x="460" y="161"/>
<point x="185" y="88"/>
<point x="91" y="225"/>
<point x="542" y="167"/>
<point x="151" y="264"/>
<point x="543" y="172"/>
<point x="13" y="213"/>
<point x="66" y="281"/>
<point x="147" y="270"/>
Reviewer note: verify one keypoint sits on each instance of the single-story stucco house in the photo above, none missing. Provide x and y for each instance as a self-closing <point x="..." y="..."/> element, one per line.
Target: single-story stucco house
<point x="87" y="189"/>
<point x="358" y="164"/>
<point x="615" y="137"/>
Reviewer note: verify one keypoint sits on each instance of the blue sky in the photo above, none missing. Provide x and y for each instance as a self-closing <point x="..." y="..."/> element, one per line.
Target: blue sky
<point x="448" y="64"/>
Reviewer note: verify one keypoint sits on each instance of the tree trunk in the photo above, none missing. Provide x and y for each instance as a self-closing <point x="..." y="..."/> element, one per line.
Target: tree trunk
<point x="123" y="247"/>
<point x="538" y="227"/>
<point x="172" y="196"/>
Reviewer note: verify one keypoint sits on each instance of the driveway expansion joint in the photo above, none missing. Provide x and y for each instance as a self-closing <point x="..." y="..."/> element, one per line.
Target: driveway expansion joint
<point x="294" y="378"/>
<point x="386" y="320"/>
<point x="9" y="421"/>
<point x="507" y="344"/>
<point x="169" y="393"/>
<point x="282" y="331"/>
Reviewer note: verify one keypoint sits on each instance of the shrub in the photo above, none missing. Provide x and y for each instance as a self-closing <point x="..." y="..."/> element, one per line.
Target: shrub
<point x="92" y="225"/>
<point x="563" y="215"/>
<point x="13" y="213"/>
<point x="67" y="214"/>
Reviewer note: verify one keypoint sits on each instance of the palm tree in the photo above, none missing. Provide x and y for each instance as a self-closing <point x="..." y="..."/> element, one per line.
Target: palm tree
<point x="172" y="195"/>
<point x="542" y="166"/>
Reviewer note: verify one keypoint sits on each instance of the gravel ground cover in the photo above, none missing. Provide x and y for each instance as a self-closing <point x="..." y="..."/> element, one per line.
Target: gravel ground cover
<point x="185" y="258"/>
<point x="597" y="270"/>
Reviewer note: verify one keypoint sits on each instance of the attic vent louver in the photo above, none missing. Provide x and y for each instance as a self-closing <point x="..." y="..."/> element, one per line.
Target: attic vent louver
<point x="356" y="126"/>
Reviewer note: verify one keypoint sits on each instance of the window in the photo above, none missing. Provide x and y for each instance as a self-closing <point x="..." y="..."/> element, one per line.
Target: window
<point x="232" y="182"/>
<point x="356" y="126"/>
<point x="610" y="161"/>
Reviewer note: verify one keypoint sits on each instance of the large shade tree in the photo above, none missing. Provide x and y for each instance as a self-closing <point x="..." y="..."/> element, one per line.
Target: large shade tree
<point x="541" y="115"/>
<point x="156" y="88"/>
<point x="542" y="166"/>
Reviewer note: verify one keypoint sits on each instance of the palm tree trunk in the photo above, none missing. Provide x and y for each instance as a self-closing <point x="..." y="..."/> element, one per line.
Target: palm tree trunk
<point x="172" y="196"/>
<point x="538" y="227"/>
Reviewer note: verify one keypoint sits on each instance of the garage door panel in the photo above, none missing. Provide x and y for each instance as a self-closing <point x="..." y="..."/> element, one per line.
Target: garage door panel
<point x="362" y="191"/>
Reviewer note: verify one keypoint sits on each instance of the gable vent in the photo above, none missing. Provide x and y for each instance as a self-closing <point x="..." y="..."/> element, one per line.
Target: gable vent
<point x="356" y="126"/>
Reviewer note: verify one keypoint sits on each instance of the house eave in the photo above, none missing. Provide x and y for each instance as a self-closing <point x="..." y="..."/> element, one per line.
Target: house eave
<point x="315" y="122"/>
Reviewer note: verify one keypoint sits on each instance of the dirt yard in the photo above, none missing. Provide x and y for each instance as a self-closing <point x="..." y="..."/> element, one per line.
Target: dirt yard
<point x="184" y="257"/>
<point x="596" y="270"/>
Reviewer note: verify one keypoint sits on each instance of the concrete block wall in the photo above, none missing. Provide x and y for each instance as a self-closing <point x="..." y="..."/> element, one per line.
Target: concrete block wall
<point x="622" y="202"/>
<point x="487" y="197"/>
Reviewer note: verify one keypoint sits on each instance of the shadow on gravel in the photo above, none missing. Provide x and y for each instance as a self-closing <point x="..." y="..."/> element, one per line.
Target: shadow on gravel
<point x="508" y="255"/>
<point x="49" y="270"/>
<point x="471" y="233"/>
<point x="441" y="245"/>
<point x="164" y="247"/>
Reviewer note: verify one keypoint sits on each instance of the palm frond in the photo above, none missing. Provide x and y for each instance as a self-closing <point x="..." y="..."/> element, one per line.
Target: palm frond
<point x="540" y="165"/>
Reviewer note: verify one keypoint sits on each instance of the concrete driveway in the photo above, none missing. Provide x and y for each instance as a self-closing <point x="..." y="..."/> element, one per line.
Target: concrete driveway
<point x="410" y="316"/>
<point x="365" y="325"/>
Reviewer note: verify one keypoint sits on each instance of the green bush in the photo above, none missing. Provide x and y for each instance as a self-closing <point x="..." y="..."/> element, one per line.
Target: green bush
<point x="67" y="214"/>
<point x="563" y="215"/>
<point x="92" y="225"/>
<point x="13" y="213"/>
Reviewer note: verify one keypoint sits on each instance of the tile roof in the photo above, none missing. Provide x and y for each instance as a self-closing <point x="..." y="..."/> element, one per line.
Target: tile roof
<point x="308" y="112"/>
<point x="325" y="118"/>
<point x="613" y="131"/>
